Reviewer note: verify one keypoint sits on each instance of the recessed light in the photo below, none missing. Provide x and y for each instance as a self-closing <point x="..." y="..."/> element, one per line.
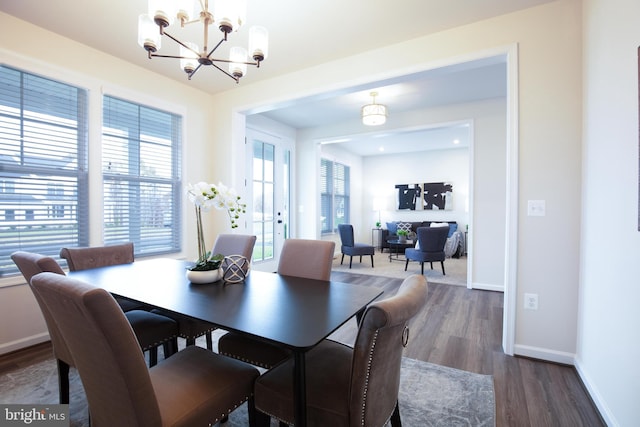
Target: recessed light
<point x="381" y="149"/>
<point x="456" y="141"/>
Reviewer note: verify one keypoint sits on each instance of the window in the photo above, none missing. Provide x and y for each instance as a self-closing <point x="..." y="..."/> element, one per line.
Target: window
<point x="141" y="176"/>
<point x="43" y="166"/>
<point x="334" y="195"/>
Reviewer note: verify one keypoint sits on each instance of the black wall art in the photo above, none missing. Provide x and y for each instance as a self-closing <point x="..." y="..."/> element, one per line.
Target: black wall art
<point x="427" y="196"/>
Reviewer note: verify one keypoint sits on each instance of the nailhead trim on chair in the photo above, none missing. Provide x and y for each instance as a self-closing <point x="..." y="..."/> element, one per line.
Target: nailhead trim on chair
<point x="159" y="343"/>
<point x="366" y="381"/>
<point x="229" y="411"/>
<point x="251" y="362"/>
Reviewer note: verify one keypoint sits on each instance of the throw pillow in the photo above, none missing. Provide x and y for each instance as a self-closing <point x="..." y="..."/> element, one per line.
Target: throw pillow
<point x="406" y="226"/>
<point x="452" y="228"/>
<point x="392" y="227"/>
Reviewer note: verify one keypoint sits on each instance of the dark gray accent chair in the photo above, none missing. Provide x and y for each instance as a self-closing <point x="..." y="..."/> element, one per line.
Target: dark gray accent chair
<point x="194" y="387"/>
<point x="431" y="241"/>
<point x="350" y="386"/>
<point x="350" y="247"/>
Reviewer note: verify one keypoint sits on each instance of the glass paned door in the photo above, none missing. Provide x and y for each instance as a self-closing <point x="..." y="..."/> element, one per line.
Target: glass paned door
<point x="270" y="198"/>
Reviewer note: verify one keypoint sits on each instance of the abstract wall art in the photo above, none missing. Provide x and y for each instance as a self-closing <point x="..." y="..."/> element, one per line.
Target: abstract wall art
<point x="427" y="196"/>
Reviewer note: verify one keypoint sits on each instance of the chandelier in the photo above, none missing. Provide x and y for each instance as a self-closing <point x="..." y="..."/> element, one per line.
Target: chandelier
<point x="374" y="114"/>
<point x="228" y="15"/>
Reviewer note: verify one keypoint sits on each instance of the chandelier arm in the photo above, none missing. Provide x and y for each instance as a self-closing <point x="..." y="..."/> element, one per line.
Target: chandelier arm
<point x="157" y="55"/>
<point x="237" y="79"/>
<point x="214" y="49"/>
<point x="193" y="72"/>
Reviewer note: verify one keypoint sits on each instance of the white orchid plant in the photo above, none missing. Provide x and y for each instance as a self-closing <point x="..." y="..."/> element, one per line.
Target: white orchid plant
<point x="206" y="196"/>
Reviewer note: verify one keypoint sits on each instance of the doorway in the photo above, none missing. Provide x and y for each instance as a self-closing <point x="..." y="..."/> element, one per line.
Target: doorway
<point x="269" y="167"/>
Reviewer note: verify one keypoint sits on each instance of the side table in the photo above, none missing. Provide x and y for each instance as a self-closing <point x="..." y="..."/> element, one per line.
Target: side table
<point x="395" y="246"/>
<point x="376" y="238"/>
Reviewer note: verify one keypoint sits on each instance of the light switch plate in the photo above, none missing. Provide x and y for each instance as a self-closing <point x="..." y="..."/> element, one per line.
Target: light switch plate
<point x="536" y="208"/>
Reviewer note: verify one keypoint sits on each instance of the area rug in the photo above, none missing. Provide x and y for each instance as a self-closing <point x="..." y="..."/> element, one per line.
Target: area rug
<point x="430" y="395"/>
<point x="455" y="268"/>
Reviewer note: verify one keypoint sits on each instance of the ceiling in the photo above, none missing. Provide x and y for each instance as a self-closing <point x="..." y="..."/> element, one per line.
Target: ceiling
<point x="302" y="34"/>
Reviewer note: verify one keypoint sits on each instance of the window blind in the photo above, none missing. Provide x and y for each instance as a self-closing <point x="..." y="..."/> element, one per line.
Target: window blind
<point x="43" y="166"/>
<point x="334" y="195"/>
<point x="141" y="176"/>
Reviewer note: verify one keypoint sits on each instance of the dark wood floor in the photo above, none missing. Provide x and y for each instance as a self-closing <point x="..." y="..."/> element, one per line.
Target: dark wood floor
<point x="462" y="329"/>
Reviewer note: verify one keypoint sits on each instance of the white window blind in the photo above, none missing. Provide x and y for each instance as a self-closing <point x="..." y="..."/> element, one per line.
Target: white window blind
<point x="334" y="195"/>
<point x="43" y="166"/>
<point x="141" y="176"/>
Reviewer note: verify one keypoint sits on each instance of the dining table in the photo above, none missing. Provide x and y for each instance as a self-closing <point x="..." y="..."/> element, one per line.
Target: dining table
<point x="294" y="312"/>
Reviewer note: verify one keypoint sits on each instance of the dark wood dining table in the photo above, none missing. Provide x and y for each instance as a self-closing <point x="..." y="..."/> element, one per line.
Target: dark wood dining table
<point x="295" y="312"/>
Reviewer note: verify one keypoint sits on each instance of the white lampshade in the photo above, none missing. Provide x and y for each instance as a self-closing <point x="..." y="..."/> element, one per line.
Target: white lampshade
<point x="258" y="43"/>
<point x="163" y="11"/>
<point x="229" y="15"/>
<point x="237" y="56"/>
<point x="148" y="33"/>
<point x="374" y="114"/>
<point x="190" y="60"/>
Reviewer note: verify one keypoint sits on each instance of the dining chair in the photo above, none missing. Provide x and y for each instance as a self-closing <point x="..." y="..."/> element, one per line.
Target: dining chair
<point x="225" y="244"/>
<point x="152" y="329"/>
<point x="350" y="247"/>
<point x="311" y="259"/>
<point x="29" y="265"/>
<point x="430" y="247"/>
<point x="350" y="386"/>
<point x="193" y="387"/>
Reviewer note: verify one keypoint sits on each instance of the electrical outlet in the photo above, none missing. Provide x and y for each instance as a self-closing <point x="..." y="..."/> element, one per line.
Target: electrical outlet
<point x="531" y="301"/>
<point x="536" y="208"/>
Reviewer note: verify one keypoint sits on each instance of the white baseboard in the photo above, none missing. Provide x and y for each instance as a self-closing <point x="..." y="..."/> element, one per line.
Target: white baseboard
<point x="487" y="287"/>
<point x="606" y="414"/>
<point x="8" y="347"/>
<point x="545" y="354"/>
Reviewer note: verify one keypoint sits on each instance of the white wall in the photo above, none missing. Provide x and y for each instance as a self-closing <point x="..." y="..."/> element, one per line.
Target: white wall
<point x="608" y="336"/>
<point x="382" y="173"/>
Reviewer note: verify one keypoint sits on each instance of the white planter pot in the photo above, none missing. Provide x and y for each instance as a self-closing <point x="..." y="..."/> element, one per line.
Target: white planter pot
<point x="207" y="276"/>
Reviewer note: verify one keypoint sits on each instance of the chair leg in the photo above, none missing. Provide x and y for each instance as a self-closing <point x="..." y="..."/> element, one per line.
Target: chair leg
<point x="442" y="263"/>
<point x="63" y="382"/>
<point x="190" y="341"/>
<point x="371" y="261"/>
<point x="406" y="264"/>
<point x="360" y="259"/>
<point x="262" y="419"/>
<point x="431" y="265"/>
<point x="350" y="260"/>
<point x="422" y="268"/>
<point x="395" y="417"/>
<point x="153" y="356"/>
<point x="342" y="260"/>
<point x="209" y="341"/>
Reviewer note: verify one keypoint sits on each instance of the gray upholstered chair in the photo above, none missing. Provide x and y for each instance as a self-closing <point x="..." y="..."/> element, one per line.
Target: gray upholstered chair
<point x="350" y="247"/>
<point x="225" y="244"/>
<point x="152" y="329"/>
<point x="311" y="259"/>
<point x="350" y="386"/>
<point x="193" y="387"/>
<point x="29" y="265"/>
<point x="431" y="241"/>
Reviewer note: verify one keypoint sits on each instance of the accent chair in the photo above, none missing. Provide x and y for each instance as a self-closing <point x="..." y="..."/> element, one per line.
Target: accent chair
<point x="431" y="241"/>
<point x="350" y="247"/>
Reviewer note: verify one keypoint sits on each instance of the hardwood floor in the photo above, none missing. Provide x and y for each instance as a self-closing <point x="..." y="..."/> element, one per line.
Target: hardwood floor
<point x="462" y="329"/>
